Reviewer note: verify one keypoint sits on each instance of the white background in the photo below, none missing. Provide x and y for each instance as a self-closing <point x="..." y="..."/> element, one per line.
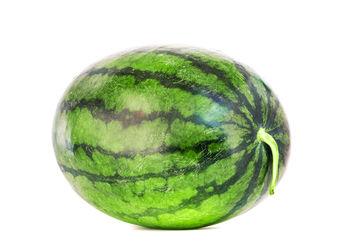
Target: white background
<point x="300" y="48"/>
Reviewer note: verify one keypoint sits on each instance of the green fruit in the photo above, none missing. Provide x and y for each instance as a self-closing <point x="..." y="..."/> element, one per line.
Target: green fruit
<point x="171" y="137"/>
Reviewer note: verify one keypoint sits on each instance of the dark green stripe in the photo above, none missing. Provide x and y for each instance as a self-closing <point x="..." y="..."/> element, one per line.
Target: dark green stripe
<point x="283" y="150"/>
<point x="130" y="118"/>
<point x="257" y="117"/>
<point x="204" y="162"/>
<point x="252" y="185"/>
<point x="277" y="130"/>
<point x="203" y="145"/>
<point x="268" y="173"/>
<point x="268" y="106"/>
<point x="271" y="119"/>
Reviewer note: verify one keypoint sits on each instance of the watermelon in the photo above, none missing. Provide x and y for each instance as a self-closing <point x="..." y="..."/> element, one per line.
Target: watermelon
<point x="171" y="137"/>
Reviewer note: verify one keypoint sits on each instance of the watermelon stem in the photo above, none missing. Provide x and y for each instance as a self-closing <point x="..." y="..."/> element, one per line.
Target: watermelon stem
<point x="263" y="136"/>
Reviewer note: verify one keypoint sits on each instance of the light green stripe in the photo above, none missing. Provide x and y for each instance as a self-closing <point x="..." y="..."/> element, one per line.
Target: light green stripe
<point x="172" y="65"/>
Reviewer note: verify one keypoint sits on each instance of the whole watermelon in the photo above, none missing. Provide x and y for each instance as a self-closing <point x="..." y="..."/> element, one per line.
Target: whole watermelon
<point x="168" y="137"/>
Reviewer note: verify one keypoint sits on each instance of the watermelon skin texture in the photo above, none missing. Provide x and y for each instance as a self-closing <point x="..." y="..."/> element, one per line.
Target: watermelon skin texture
<point x="166" y="137"/>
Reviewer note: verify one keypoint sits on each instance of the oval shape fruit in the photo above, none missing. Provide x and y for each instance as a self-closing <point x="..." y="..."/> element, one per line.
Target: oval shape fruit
<point x="170" y="137"/>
